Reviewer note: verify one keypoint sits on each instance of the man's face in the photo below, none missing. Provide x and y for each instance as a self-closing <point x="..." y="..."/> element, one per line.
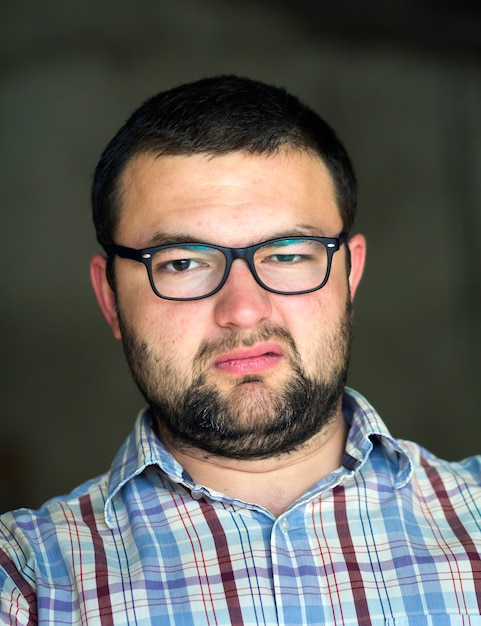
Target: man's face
<point x="244" y="373"/>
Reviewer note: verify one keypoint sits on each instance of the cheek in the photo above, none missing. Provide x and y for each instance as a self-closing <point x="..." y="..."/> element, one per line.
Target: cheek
<point x="314" y="320"/>
<point x="303" y="316"/>
<point x="172" y="330"/>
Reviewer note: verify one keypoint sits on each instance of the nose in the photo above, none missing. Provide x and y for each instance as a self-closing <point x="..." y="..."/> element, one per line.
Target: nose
<point x="242" y="302"/>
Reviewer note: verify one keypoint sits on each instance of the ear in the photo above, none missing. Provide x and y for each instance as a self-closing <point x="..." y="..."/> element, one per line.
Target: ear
<point x="357" y="248"/>
<point x="104" y="293"/>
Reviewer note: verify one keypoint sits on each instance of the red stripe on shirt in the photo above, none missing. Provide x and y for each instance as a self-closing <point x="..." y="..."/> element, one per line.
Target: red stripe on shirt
<point x="225" y="564"/>
<point x="24" y="588"/>
<point x="349" y="552"/>
<point x="101" y="566"/>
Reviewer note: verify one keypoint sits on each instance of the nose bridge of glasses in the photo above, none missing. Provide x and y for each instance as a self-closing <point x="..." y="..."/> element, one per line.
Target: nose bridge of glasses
<point x="243" y="254"/>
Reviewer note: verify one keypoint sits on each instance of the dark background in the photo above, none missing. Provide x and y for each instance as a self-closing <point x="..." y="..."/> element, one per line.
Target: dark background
<point x="401" y="83"/>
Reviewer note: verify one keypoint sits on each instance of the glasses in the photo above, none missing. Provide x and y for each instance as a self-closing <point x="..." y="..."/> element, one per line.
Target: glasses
<point x="192" y="271"/>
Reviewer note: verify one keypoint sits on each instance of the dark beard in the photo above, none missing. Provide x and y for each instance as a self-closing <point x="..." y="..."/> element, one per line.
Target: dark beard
<point x="200" y="417"/>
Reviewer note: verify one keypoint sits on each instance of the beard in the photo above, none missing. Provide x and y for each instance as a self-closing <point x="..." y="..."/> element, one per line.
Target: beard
<point x="253" y="420"/>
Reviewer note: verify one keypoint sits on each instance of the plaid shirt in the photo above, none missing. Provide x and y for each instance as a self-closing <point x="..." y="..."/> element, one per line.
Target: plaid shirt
<point x="392" y="537"/>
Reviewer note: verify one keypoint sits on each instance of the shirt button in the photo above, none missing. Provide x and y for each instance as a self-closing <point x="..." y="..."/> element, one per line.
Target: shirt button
<point x="284" y="525"/>
<point x="197" y="495"/>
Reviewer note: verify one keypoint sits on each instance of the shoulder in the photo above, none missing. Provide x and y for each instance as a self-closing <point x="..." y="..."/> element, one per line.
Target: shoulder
<point x="451" y="488"/>
<point x="33" y="545"/>
<point x="426" y="463"/>
<point x="28" y="535"/>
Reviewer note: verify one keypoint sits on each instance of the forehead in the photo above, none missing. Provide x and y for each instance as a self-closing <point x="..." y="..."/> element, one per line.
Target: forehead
<point x="226" y="199"/>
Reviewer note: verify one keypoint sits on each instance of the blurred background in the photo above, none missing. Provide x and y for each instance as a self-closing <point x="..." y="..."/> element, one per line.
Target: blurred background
<point x="401" y="84"/>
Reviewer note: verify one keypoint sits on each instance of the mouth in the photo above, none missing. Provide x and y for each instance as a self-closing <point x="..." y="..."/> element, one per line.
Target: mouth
<point x="253" y="360"/>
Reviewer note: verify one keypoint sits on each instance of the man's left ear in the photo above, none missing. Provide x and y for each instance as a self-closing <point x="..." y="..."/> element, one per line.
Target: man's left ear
<point x="357" y="248"/>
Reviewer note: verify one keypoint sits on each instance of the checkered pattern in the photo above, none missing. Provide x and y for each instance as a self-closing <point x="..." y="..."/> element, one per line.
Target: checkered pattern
<point x="392" y="537"/>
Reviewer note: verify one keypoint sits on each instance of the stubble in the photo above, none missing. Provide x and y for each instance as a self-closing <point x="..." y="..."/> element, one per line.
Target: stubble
<point x="252" y="420"/>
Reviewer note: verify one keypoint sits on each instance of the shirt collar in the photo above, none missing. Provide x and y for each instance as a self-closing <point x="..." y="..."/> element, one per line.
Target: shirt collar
<point x="143" y="448"/>
<point x="365" y="427"/>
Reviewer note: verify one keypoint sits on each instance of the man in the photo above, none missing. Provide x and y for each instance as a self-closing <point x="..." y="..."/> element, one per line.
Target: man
<point x="255" y="488"/>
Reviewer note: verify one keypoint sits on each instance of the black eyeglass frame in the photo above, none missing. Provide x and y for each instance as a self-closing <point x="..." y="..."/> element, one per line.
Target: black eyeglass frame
<point x="145" y="256"/>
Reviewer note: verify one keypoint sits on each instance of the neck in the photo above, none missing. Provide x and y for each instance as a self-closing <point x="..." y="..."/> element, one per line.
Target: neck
<point x="274" y="483"/>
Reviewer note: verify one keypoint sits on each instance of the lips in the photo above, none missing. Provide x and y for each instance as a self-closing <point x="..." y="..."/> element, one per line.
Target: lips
<point x="253" y="360"/>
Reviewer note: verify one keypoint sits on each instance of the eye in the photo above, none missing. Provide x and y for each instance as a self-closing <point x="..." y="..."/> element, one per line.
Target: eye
<point x="179" y="265"/>
<point x="285" y="252"/>
<point x="292" y="255"/>
<point x="285" y="258"/>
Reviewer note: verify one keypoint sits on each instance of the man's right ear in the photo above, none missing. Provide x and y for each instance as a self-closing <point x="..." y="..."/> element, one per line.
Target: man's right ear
<point x="104" y="293"/>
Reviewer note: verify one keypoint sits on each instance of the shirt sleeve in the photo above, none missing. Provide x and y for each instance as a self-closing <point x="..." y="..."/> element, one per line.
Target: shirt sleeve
<point x="18" y="602"/>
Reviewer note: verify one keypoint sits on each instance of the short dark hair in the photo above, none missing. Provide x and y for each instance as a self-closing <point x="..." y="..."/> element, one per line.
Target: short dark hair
<point x="216" y="116"/>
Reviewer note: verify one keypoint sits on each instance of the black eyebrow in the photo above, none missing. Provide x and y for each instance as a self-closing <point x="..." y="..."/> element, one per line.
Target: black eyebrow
<point x="165" y="239"/>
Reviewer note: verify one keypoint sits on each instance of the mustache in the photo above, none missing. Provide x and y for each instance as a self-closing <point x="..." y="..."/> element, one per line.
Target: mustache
<point x="266" y="331"/>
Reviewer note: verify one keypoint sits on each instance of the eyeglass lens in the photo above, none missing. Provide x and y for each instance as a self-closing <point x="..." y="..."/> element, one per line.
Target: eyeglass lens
<point x="193" y="271"/>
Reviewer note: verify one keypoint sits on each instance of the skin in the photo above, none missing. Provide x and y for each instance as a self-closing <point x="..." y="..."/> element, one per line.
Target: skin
<point x="236" y="200"/>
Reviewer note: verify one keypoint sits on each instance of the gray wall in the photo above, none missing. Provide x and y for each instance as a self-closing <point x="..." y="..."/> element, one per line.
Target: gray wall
<point x="409" y="113"/>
